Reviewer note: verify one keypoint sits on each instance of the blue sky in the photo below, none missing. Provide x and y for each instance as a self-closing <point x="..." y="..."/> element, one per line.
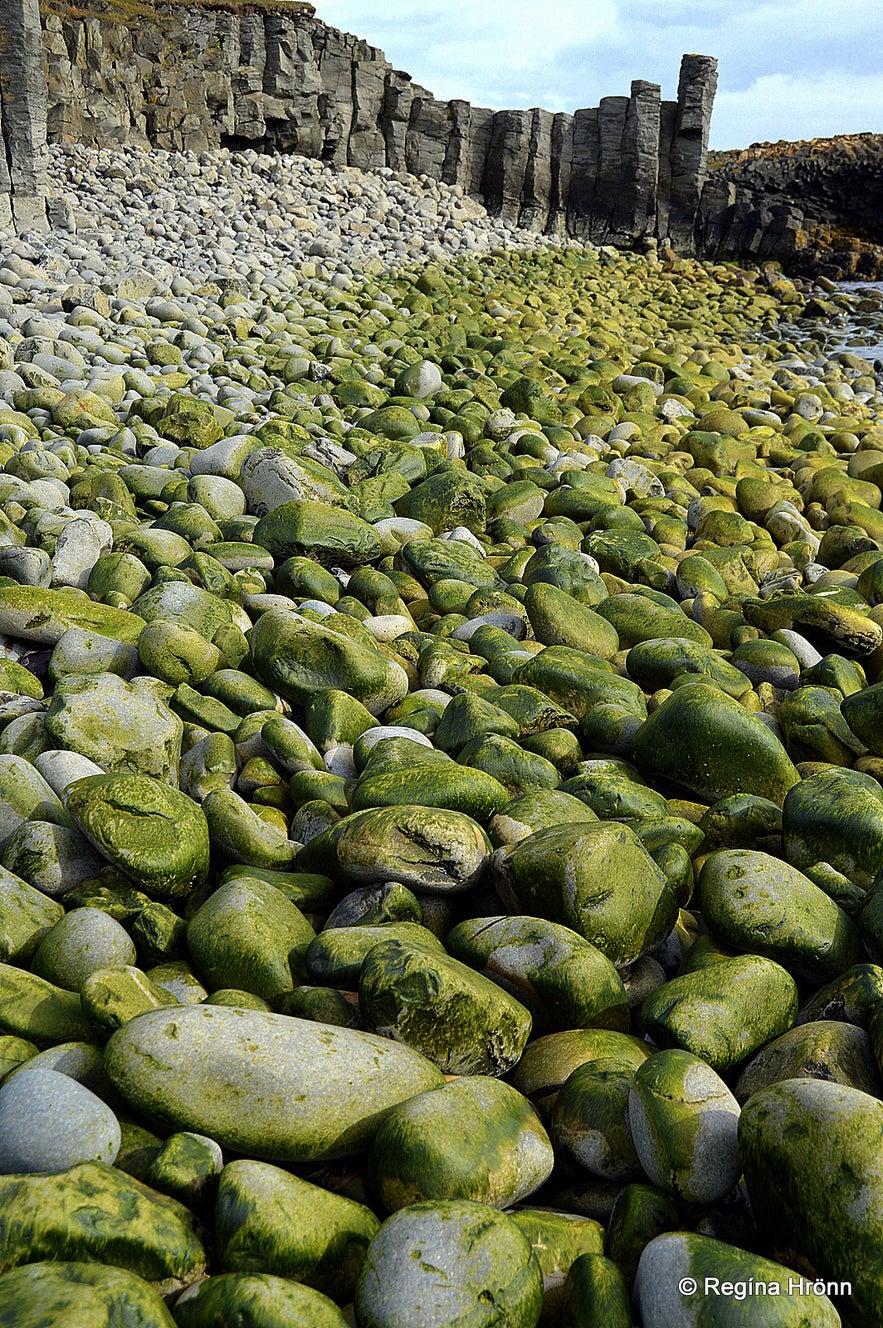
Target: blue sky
<point x="788" y="68"/>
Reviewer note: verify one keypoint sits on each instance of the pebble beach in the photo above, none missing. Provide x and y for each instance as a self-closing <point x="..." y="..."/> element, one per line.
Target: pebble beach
<point x="441" y="767"/>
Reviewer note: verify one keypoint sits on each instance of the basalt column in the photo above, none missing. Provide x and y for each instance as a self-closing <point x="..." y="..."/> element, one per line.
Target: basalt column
<point x="23" y="99"/>
<point x="689" y="148"/>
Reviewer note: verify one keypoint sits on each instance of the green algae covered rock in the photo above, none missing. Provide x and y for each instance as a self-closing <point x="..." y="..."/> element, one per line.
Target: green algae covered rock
<point x="329" y="535"/>
<point x="594" y="1292"/>
<point x="699" y="737"/>
<point x="811" y="1153"/>
<point x="298" y="659"/>
<point x="564" y="980"/>
<point x="683" y="1120"/>
<point x="449" y="1264"/>
<point x="121" y="726"/>
<point x="263" y="1084"/>
<point x="598" y="880"/>
<point x="757" y="902"/>
<point x="94" y="1213"/>
<point x="425" y="848"/>
<point x="36" y="1010"/>
<point x="249" y="936"/>
<point x="154" y="833"/>
<point x="448" y="785"/>
<point x="788" y="1300"/>
<point x="268" y="1221"/>
<point x="836" y="816"/>
<point x="474" y="1138"/>
<point x="826" y="1049"/>
<point x="458" y="1019"/>
<point x="724" y="1012"/>
<point x="79" y="1295"/>
<point x="254" y="1300"/>
<point x="590" y="1121"/>
<point x="35" y="614"/>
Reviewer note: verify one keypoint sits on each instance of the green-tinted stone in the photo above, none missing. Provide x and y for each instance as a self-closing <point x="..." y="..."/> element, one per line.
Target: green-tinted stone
<point x="298" y="658"/>
<point x="836" y="816"/>
<point x="424" y="848"/>
<point x="724" y="1012"/>
<point x="34" y="1009"/>
<point x="255" y="1300"/>
<point x="704" y="740"/>
<point x="80" y="1295"/>
<point x="455" y="1017"/>
<point x="156" y="834"/>
<point x="247" y="935"/>
<point x="811" y="1157"/>
<point x="330" y="535"/>
<point x="482" y="1270"/>
<point x="93" y="1213"/>
<point x="474" y="1138"/>
<point x="595" y="879"/>
<point x="45" y="615"/>
<point x="250" y="1080"/>
<point x="563" y="980"/>
<point x="757" y="902"/>
<point x="268" y="1221"/>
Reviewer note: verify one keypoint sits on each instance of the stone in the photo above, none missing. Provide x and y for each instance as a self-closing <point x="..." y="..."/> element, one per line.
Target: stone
<point x="794" y="1137"/>
<point x="684" y="1121"/>
<point x="84" y="1295"/>
<point x="252" y="1081"/>
<point x="474" y="1138"/>
<point x="120" y="725"/>
<point x="254" y="1298"/>
<point x="482" y="1266"/>
<point x="268" y="1221"/>
<point x="49" y="1122"/>
<point x="123" y="1221"/>
<point x="455" y="1017"/>
<point x="154" y="833"/>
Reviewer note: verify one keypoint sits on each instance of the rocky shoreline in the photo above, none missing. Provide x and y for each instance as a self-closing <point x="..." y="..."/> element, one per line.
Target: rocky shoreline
<point x="441" y="766"/>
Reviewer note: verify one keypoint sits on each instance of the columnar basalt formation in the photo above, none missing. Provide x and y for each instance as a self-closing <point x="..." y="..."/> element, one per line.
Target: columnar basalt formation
<point x="632" y="170"/>
<point x="197" y="79"/>
<point x="22" y="116"/>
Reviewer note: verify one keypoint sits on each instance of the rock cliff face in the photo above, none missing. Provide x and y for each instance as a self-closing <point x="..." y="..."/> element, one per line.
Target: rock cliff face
<point x="820" y="202"/>
<point x="196" y="79"/>
<point x="22" y="116"/>
<point x="269" y="75"/>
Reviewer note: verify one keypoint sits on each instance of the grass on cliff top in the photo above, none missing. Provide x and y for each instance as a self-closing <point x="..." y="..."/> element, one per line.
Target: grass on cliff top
<point x="123" y="11"/>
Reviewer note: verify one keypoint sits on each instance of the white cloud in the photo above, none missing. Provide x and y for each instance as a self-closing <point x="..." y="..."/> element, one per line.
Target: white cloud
<point x="796" y="106"/>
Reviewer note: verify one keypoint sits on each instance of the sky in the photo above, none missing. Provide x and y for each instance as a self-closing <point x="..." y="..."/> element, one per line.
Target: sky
<point x="788" y="69"/>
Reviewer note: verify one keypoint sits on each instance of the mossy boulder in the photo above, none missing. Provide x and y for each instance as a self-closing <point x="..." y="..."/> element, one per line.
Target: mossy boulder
<point x="481" y="1270"/>
<point x="704" y="740"/>
<point x="263" y="1084"/>
<point x="248" y="935"/>
<point x="255" y="1300"/>
<point x="299" y="659"/>
<point x="425" y="848"/>
<point x="756" y="902"/>
<point x="458" y="1019"/>
<point x="474" y="1138"/>
<point x="836" y="816"/>
<point x="564" y="980"/>
<point x="329" y="535"/>
<point x="812" y="1160"/>
<point x="269" y="1221"/>
<point x="724" y="1012"/>
<point x="80" y="1295"/>
<point x="596" y="879"/>
<point x="94" y="1213"/>
<point x="155" y="834"/>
